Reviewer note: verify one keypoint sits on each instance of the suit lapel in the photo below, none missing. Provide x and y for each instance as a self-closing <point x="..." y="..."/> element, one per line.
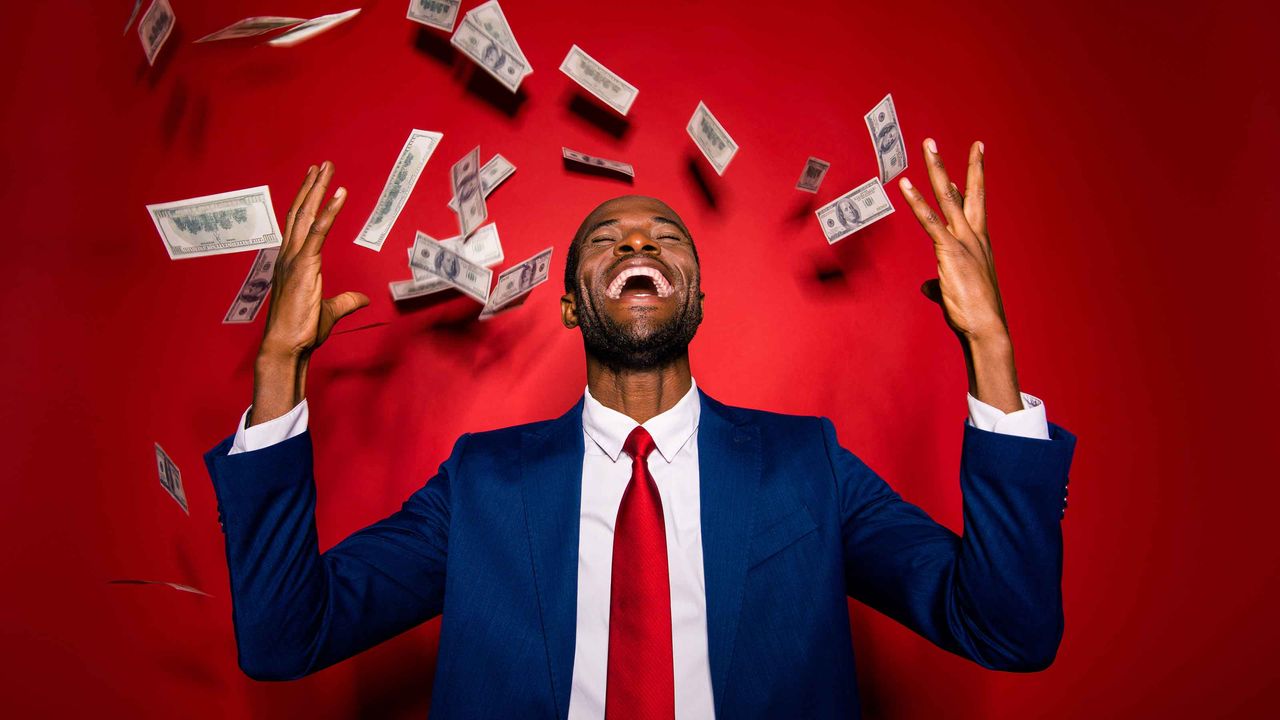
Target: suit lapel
<point x="729" y="470"/>
<point x="551" y="465"/>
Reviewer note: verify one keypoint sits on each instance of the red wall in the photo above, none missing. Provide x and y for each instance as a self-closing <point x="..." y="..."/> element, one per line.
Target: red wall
<point x="1132" y="165"/>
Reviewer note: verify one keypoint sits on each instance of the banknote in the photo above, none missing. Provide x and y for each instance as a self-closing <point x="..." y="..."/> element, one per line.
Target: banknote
<point x="811" y="176"/>
<point x="409" y="289"/>
<point x="170" y="478"/>
<point x="216" y="224"/>
<point x="253" y="291"/>
<point x="435" y="13"/>
<point x="471" y="279"/>
<point x="404" y="175"/>
<point x="312" y="28"/>
<point x="517" y="281"/>
<point x="599" y="80"/>
<point x="489" y="54"/>
<point x="465" y="178"/>
<point x="137" y="5"/>
<point x="615" y="165"/>
<point x="175" y="586"/>
<point x="711" y="138"/>
<point x="886" y="135"/>
<point x="492" y="174"/>
<point x="854" y="210"/>
<point x="490" y="19"/>
<point x="251" y="26"/>
<point x="154" y="28"/>
<point x="483" y="248"/>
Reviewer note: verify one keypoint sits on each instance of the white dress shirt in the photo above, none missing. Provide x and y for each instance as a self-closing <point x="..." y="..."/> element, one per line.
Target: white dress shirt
<point x="605" y="474"/>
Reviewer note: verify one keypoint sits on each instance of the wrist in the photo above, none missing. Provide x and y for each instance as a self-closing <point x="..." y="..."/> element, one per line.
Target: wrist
<point x="993" y="378"/>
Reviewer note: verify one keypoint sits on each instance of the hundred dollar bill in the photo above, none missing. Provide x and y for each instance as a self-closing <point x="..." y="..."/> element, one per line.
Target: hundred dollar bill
<point x="886" y="135"/>
<point x="137" y="5"/>
<point x="854" y="210"/>
<point x="154" y="28"/>
<point x="253" y="291"/>
<point x="465" y="178"/>
<point x="503" y="64"/>
<point x="312" y="28"/>
<point x="249" y="27"/>
<point x="216" y="224"/>
<point x="409" y="289"/>
<point x="492" y="174"/>
<point x="490" y="18"/>
<point x="482" y="248"/>
<point x="614" y="165"/>
<point x="517" y="281"/>
<point x="711" y="138"/>
<point x="170" y="478"/>
<point x="811" y="176"/>
<point x="471" y="279"/>
<point x="175" y="586"/>
<point x="599" y="80"/>
<point x="435" y="13"/>
<point x="404" y="175"/>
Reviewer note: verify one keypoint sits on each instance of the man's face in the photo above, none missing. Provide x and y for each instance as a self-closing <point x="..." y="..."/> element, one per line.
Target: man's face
<point x="637" y="297"/>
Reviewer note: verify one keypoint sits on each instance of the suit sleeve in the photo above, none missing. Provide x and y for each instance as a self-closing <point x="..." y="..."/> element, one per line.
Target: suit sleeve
<point x="297" y="610"/>
<point x="993" y="595"/>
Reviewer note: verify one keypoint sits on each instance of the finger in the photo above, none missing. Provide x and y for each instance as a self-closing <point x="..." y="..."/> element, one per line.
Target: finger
<point x="346" y="303"/>
<point x="310" y="206"/>
<point x="320" y="226"/>
<point x="932" y="289"/>
<point x="975" y="193"/>
<point x="928" y="219"/>
<point x="297" y="201"/>
<point x="949" y="198"/>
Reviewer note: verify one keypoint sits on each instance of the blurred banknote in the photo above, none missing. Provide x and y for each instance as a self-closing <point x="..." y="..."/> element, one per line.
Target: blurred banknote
<point x="711" y="138"/>
<point x="503" y="64"/>
<point x="489" y="17"/>
<point x="436" y="13"/>
<point x="886" y="134"/>
<point x="811" y="176"/>
<point x="471" y="279"/>
<point x="170" y="478"/>
<point x="175" y="586"/>
<point x="465" y="178"/>
<point x="599" y="80"/>
<point x="253" y="291"/>
<point x="154" y="28"/>
<point x="516" y="282"/>
<point x="483" y="248"/>
<point x="404" y="175"/>
<point x="251" y="26"/>
<point x="854" y="210"/>
<point x="137" y="5"/>
<point x="215" y="224"/>
<point x="615" y="165"/>
<point x="312" y="28"/>
<point x="492" y="174"/>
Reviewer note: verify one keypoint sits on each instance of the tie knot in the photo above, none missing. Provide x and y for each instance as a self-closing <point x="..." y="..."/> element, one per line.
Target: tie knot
<point x="639" y="444"/>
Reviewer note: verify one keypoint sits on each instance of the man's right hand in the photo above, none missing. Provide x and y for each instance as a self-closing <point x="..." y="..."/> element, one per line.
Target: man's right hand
<point x="299" y="317"/>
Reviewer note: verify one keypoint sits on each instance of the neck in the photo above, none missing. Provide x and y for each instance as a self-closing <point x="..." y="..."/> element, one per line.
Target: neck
<point x="639" y="394"/>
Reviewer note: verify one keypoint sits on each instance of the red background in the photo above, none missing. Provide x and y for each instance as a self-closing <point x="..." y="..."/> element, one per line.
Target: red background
<point x="1132" y="182"/>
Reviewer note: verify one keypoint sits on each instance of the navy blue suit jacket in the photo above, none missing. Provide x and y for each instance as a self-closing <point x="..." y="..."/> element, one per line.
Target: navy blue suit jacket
<point x="792" y="523"/>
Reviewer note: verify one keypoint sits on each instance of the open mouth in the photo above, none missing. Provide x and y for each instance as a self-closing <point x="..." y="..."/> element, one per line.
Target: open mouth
<point x="640" y="281"/>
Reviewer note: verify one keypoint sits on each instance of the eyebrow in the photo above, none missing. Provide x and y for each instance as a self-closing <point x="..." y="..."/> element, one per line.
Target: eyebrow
<point x="656" y="218"/>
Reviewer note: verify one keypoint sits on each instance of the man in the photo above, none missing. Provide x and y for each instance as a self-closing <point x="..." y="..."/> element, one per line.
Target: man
<point x="652" y="553"/>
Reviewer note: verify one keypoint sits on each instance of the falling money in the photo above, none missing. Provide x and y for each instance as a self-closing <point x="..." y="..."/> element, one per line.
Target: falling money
<point x="492" y="174"/>
<point x="886" y="135"/>
<point x="253" y="291"/>
<point x="312" y="28"/>
<point x="711" y="138"/>
<point x="599" y="80"/>
<point x="811" y="176"/>
<point x="404" y="175"/>
<point x="516" y="282"/>
<point x="216" y="224"/>
<point x="440" y="14"/>
<point x="615" y="165"/>
<point x="471" y="279"/>
<point x="250" y="27"/>
<point x="854" y="210"/>
<point x="465" y="177"/>
<point x="170" y="478"/>
<point x="154" y="28"/>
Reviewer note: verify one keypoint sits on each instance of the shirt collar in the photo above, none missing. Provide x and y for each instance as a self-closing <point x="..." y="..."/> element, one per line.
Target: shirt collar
<point x="670" y="430"/>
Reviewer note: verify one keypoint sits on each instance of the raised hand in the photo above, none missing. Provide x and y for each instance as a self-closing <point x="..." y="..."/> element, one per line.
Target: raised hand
<point x="966" y="286"/>
<point x="299" y="318"/>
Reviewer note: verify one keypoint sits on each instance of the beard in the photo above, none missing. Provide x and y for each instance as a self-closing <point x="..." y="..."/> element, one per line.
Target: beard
<point x="640" y="346"/>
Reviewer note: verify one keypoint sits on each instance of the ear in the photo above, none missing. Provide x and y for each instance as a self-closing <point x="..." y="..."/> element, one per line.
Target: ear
<point x="569" y="310"/>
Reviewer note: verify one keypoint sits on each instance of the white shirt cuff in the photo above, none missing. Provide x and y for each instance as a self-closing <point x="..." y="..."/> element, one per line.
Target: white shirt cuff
<point x="264" y="435"/>
<point x="1029" y="422"/>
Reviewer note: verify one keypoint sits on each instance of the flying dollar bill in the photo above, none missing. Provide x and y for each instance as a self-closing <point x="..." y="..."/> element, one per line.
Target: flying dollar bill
<point x="440" y="14"/>
<point x="516" y="282"/>
<point x="811" y="176"/>
<point x="154" y="28"/>
<point x="711" y="138"/>
<point x="404" y="175"/>
<point x="492" y="174"/>
<point x="483" y="248"/>
<point x="312" y="28"/>
<point x="489" y="17"/>
<point x="253" y="291"/>
<point x="854" y="210"/>
<point x="175" y="586"/>
<point x="137" y="5"/>
<point x="886" y="135"/>
<point x="250" y="27"/>
<point x="409" y="289"/>
<point x="599" y="80"/>
<point x="615" y="165"/>
<point x="473" y="280"/>
<point x="216" y="224"/>
<point x="465" y="178"/>
<point x="503" y="64"/>
<point x="170" y="478"/>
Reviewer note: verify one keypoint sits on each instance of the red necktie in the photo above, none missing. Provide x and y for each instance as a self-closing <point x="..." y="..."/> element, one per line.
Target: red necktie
<point x="641" y="683"/>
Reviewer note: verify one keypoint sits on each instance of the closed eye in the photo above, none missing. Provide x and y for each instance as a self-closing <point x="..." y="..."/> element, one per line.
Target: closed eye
<point x="602" y="238"/>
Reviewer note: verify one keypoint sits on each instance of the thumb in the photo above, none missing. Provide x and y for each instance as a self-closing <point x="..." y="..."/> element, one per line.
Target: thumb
<point x="346" y="303"/>
<point x="932" y="289"/>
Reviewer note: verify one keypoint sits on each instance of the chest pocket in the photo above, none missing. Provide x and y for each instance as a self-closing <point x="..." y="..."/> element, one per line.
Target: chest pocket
<point x="780" y="534"/>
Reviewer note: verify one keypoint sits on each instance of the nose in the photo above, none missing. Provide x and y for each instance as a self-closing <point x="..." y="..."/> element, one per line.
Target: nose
<point x="636" y="241"/>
